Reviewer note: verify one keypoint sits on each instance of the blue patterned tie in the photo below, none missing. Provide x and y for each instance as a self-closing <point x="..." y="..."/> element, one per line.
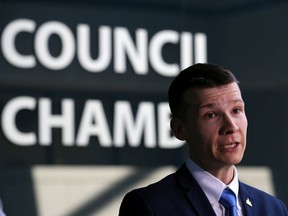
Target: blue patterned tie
<point x="228" y="200"/>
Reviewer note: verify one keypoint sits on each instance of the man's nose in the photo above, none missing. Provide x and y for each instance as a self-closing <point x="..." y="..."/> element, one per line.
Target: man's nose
<point x="229" y="125"/>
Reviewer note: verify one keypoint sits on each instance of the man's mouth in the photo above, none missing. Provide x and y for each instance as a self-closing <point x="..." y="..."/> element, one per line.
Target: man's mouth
<point x="230" y="145"/>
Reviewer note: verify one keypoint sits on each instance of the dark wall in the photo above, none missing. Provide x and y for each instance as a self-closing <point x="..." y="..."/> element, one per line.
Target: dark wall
<point x="249" y="37"/>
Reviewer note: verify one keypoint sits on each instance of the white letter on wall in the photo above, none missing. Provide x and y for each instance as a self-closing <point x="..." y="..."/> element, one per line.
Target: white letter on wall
<point x="42" y="49"/>
<point x="8" y="43"/>
<point x="200" y="48"/>
<point x="8" y="121"/>
<point x="186" y="50"/>
<point x="84" y="47"/>
<point x="93" y="122"/>
<point x="166" y="139"/>
<point x="155" y="52"/>
<point x="47" y="121"/>
<point x="144" y="124"/>
<point x="124" y="45"/>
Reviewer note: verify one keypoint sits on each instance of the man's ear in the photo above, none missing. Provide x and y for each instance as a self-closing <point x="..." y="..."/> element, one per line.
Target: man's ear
<point x="178" y="129"/>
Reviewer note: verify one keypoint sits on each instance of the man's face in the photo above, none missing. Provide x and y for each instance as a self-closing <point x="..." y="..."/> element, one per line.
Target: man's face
<point x="215" y="126"/>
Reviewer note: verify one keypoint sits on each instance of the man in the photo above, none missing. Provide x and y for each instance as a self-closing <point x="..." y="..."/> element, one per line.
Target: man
<point x="208" y="113"/>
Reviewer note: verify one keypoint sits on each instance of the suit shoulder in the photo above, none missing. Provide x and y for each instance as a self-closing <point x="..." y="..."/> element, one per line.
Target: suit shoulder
<point x="169" y="186"/>
<point x="144" y="200"/>
<point x="255" y="191"/>
<point x="264" y="203"/>
<point x="161" y="185"/>
<point x="260" y="195"/>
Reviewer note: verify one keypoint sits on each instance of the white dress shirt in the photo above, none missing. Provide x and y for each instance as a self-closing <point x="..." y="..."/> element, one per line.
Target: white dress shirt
<point x="213" y="187"/>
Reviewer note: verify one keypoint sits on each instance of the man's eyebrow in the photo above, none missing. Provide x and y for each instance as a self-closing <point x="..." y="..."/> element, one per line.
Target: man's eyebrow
<point x="238" y="101"/>
<point x="209" y="105"/>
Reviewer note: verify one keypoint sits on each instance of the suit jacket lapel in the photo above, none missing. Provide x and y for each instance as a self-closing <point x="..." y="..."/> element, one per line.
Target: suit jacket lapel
<point x="247" y="200"/>
<point x="195" y="194"/>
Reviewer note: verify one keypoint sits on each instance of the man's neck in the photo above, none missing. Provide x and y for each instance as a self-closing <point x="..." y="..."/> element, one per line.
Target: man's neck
<point x="224" y="174"/>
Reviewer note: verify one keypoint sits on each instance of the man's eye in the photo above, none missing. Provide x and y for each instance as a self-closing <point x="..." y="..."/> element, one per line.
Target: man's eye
<point x="211" y="115"/>
<point x="237" y="110"/>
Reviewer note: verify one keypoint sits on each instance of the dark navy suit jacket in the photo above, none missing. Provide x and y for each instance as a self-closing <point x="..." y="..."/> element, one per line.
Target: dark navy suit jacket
<point x="180" y="195"/>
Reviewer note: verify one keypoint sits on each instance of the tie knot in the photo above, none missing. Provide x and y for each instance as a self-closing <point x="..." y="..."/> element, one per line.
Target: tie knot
<point x="228" y="198"/>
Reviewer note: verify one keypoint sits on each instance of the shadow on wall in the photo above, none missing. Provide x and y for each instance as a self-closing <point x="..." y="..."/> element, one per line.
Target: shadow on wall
<point x="90" y="190"/>
<point x="71" y="190"/>
<point x="17" y="192"/>
<point x="101" y="200"/>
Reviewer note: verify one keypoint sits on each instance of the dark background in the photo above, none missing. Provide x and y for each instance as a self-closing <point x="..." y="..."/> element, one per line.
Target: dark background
<point x="248" y="37"/>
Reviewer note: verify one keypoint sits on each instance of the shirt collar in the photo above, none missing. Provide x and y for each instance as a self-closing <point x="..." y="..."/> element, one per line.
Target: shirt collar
<point x="211" y="186"/>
